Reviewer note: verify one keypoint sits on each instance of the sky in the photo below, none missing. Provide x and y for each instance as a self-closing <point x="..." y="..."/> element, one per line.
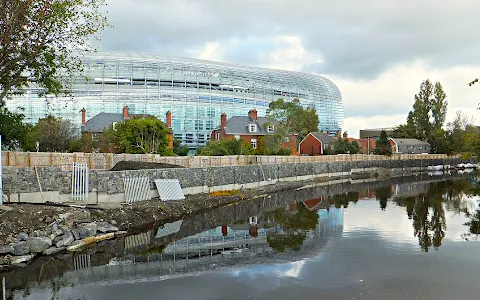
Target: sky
<point x="377" y="52"/>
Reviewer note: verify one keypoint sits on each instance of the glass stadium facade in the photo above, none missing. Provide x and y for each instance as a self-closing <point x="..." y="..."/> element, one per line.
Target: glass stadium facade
<point x="196" y="91"/>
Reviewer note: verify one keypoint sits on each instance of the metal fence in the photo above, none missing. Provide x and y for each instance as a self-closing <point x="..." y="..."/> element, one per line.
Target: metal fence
<point x="105" y="161"/>
<point x="80" y="182"/>
<point x="136" y="189"/>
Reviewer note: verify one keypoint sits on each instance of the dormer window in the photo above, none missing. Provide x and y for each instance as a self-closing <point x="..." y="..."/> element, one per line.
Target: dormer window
<point x="270" y="128"/>
<point x="252" y="127"/>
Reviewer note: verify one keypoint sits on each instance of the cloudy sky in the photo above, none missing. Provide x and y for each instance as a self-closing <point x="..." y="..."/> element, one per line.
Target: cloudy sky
<point x="376" y="51"/>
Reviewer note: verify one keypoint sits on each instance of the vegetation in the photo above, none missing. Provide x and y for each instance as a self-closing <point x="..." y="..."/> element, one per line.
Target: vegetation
<point x="226" y="147"/>
<point x="15" y="133"/>
<point x="139" y="135"/>
<point x="342" y="146"/>
<point x="38" y="38"/>
<point x="290" y="117"/>
<point x="179" y="149"/>
<point x="225" y="193"/>
<point x="55" y="134"/>
<point x="382" y="145"/>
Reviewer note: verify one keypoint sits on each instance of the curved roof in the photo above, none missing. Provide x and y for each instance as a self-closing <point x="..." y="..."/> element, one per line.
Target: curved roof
<point x="194" y="67"/>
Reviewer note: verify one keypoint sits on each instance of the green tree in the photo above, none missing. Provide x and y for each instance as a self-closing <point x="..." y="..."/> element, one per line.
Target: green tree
<point x="179" y="149"/>
<point x="15" y="133"/>
<point x="343" y="146"/>
<point x="141" y="135"/>
<point x="226" y="147"/>
<point x="382" y="145"/>
<point x="289" y="117"/>
<point x="428" y="114"/>
<point x="39" y="39"/>
<point x="55" y="134"/>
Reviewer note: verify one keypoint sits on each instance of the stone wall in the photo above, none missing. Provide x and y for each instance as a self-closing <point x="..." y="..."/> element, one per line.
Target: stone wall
<point x="54" y="185"/>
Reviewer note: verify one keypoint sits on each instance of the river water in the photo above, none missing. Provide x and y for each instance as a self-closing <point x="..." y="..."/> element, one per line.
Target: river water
<point x="408" y="238"/>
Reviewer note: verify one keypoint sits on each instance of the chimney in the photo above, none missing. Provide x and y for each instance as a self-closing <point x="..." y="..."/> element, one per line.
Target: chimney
<point x="224" y="230"/>
<point x="345" y="135"/>
<point x="253" y="114"/>
<point x="223" y="121"/>
<point x="125" y="112"/>
<point x="169" y="119"/>
<point x="84" y="116"/>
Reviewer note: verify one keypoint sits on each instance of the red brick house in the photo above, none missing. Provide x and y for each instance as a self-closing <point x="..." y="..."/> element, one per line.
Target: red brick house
<point x="366" y="145"/>
<point x="315" y="143"/>
<point x="249" y="128"/>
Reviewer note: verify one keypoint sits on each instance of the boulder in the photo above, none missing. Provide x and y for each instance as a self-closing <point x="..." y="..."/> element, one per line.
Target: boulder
<point x="90" y="227"/>
<point x="82" y="217"/>
<point x="66" y="240"/>
<point x="58" y="232"/>
<point x="105" y="227"/>
<point x="64" y="216"/>
<point x="80" y="233"/>
<point x="22" y="236"/>
<point x="20" y="248"/>
<point x="16" y="260"/>
<point x="53" y="250"/>
<point x="38" y="244"/>
<point x="6" y="249"/>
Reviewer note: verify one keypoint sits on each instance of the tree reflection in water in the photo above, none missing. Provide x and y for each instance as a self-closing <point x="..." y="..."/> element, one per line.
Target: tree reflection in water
<point x="293" y="226"/>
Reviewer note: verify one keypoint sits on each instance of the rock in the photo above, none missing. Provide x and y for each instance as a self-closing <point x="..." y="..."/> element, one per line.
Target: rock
<point x="57" y="238"/>
<point x="113" y="222"/>
<point x="53" y="250"/>
<point x="4" y="261"/>
<point x="64" y="216"/>
<point x="39" y="244"/>
<point x="48" y="219"/>
<point x="66" y="240"/>
<point x="82" y="217"/>
<point x="54" y="226"/>
<point x="21" y="259"/>
<point x="6" y="249"/>
<point x="22" y="236"/>
<point x="80" y="233"/>
<point x="58" y="232"/>
<point x="11" y="239"/>
<point x="38" y="233"/>
<point x="105" y="227"/>
<point x="90" y="227"/>
<point x="20" y="248"/>
<point x="48" y="231"/>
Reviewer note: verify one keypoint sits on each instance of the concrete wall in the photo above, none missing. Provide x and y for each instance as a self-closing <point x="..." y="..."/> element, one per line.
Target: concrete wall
<point x="54" y="185"/>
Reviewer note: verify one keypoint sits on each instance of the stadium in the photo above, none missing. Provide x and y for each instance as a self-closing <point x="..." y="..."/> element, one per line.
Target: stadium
<point x="197" y="92"/>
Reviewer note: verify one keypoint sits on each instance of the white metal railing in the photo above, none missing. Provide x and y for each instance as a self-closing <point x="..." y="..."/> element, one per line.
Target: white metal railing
<point x="136" y="189"/>
<point x="80" y="181"/>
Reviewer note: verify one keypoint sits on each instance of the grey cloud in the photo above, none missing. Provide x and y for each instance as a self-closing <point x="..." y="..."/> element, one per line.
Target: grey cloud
<point x="354" y="39"/>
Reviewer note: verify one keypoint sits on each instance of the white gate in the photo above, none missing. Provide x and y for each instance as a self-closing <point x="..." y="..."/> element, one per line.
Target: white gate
<point x="136" y="189"/>
<point x="80" y="181"/>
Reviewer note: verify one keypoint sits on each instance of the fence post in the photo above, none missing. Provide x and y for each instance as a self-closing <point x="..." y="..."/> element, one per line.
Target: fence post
<point x="9" y="158"/>
<point x="90" y="160"/>
<point x="51" y="159"/>
<point x="110" y="160"/>
<point x="29" y="159"/>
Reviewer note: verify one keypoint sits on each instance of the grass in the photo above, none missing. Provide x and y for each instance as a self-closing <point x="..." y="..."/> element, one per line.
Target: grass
<point x="225" y="193"/>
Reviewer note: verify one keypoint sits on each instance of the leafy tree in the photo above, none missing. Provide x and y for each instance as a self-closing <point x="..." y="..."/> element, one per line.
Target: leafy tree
<point x="179" y="149"/>
<point x="39" y="37"/>
<point x="343" y="146"/>
<point x="289" y="117"/>
<point x="15" y="133"/>
<point x="382" y="145"/>
<point x="428" y="114"/>
<point x="55" y="134"/>
<point x="226" y="147"/>
<point x="383" y="194"/>
<point x="141" y="135"/>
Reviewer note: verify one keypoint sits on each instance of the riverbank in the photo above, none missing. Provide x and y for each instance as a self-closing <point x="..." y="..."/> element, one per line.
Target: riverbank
<point x="30" y="231"/>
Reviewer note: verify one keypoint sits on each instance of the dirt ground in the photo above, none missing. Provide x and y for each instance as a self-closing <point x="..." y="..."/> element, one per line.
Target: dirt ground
<point x="138" y="165"/>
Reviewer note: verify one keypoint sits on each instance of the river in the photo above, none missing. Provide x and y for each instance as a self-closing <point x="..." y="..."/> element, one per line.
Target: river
<point x="411" y="238"/>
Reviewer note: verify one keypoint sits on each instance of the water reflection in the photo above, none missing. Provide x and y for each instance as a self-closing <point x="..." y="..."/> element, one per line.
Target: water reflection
<point x="276" y="232"/>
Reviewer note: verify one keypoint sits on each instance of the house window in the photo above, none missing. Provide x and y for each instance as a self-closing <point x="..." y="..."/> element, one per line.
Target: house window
<point x="237" y="137"/>
<point x="114" y="124"/>
<point x="252" y="127"/>
<point x="218" y="136"/>
<point x="253" y="142"/>
<point x="270" y="128"/>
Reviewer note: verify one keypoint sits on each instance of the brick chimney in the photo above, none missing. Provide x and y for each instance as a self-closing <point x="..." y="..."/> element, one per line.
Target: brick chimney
<point x="223" y="121"/>
<point x="253" y="114"/>
<point x="125" y="112"/>
<point x="169" y="119"/>
<point x="84" y="116"/>
<point x="345" y="135"/>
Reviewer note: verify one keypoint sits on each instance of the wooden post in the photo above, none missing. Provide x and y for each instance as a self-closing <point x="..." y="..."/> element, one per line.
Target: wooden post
<point x="74" y="157"/>
<point x="29" y="159"/>
<point x="110" y="160"/>
<point x="90" y="161"/>
<point x="51" y="159"/>
<point x="9" y="158"/>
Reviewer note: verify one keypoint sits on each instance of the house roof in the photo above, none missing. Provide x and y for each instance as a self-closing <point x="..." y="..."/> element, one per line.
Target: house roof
<point x="363" y="143"/>
<point x="101" y="122"/>
<point x="239" y="125"/>
<point x="410" y="142"/>
<point x="322" y="137"/>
